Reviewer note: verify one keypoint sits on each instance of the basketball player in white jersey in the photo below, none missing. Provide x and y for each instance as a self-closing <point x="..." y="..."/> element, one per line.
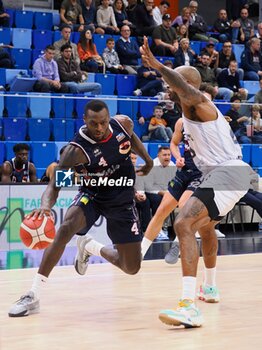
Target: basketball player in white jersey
<point x="217" y="154"/>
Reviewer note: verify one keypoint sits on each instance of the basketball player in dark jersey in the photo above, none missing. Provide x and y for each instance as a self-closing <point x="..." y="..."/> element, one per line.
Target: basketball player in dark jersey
<point x="100" y="151"/>
<point x="19" y="169"/>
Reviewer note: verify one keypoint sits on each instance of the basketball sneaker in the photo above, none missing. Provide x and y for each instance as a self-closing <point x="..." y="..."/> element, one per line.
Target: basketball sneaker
<point x="219" y="234"/>
<point x="28" y="304"/>
<point x="173" y="253"/>
<point x="208" y="294"/>
<point x="82" y="255"/>
<point x="186" y="314"/>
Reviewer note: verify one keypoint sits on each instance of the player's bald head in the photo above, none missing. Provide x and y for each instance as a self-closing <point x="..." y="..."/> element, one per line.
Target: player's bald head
<point x="191" y="75"/>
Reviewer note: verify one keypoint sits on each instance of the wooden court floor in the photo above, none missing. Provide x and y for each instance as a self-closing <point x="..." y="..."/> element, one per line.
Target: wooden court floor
<point x="107" y="309"/>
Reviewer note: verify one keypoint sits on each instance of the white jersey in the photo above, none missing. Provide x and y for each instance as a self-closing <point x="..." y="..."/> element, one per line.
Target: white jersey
<point x="211" y="143"/>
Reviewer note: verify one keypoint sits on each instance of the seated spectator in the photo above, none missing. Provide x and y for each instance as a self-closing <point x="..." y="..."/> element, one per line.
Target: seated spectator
<point x="144" y="20"/>
<point x="45" y="69"/>
<point x="6" y="60"/>
<point x="258" y="95"/>
<point x="184" y="18"/>
<point x="258" y="34"/>
<point x="208" y="76"/>
<point x="171" y="114"/>
<point x="251" y="61"/>
<point x="254" y="200"/>
<point x="164" y="38"/>
<point x="4" y="16"/>
<point x="149" y="81"/>
<point x="120" y="14"/>
<point x="210" y="49"/>
<point x="184" y="55"/>
<point x="226" y="55"/>
<point x="158" y="129"/>
<point x="229" y="78"/>
<point x="91" y="61"/>
<point x="254" y="124"/>
<point x="89" y="15"/>
<point x="71" y="74"/>
<point x="66" y="33"/>
<point x="222" y="26"/>
<point x="246" y="27"/>
<point x="197" y="27"/>
<point x="160" y="11"/>
<point x="106" y="18"/>
<point x="71" y="13"/>
<point x="181" y="32"/>
<point x="19" y="169"/>
<point x="236" y="121"/>
<point x="131" y="11"/>
<point x="128" y="51"/>
<point x="111" y="58"/>
<point x="50" y="170"/>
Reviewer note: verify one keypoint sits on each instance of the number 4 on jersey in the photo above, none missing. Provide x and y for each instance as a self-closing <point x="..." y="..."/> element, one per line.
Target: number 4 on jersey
<point x="134" y="229"/>
<point x="102" y="162"/>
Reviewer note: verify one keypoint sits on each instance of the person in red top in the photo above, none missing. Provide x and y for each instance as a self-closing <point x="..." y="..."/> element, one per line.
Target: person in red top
<point x="158" y="127"/>
<point x="89" y="57"/>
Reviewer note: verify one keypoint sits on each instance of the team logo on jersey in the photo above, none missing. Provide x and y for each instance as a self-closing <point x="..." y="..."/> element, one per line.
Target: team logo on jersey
<point x="120" y="136"/>
<point x="97" y="152"/>
<point x="125" y="147"/>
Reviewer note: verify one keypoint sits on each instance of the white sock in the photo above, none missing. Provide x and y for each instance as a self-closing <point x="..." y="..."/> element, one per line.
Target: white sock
<point x="38" y="282"/>
<point x="210" y="277"/>
<point x="145" y="245"/>
<point x="94" y="247"/>
<point x="189" y="287"/>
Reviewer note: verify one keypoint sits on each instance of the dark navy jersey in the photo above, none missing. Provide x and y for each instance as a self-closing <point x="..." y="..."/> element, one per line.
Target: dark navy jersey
<point x="19" y="175"/>
<point x="108" y="169"/>
<point x="189" y="163"/>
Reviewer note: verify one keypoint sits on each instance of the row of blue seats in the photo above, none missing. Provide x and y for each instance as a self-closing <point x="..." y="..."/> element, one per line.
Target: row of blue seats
<point x="44" y="153"/>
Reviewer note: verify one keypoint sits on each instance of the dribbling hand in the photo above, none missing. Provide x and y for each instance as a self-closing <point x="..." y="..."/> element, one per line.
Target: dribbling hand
<point x="40" y="213"/>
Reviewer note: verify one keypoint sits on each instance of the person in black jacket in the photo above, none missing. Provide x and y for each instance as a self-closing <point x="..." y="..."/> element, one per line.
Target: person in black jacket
<point x="144" y="20"/>
<point x="223" y="26"/>
<point x="4" y="17"/>
<point x="251" y="61"/>
<point x="184" y="55"/>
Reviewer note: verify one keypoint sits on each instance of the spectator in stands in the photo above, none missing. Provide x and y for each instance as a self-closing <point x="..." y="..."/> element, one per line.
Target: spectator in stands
<point x="254" y="200"/>
<point x="71" y="13"/>
<point x="226" y="55"/>
<point x="144" y="20"/>
<point x="184" y="18"/>
<point x="160" y="11"/>
<point x="208" y="76"/>
<point x="184" y="55"/>
<point x="149" y="81"/>
<point x="66" y="33"/>
<point x="91" y="61"/>
<point x="251" y="61"/>
<point x="236" y="121"/>
<point x="258" y="95"/>
<point x="6" y="60"/>
<point x="106" y="18"/>
<point x="171" y="114"/>
<point x="131" y="11"/>
<point x="19" y="169"/>
<point x="4" y="17"/>
<point x="45" y="69"/>
<point x="50" y="170"/>
<point x="198" y="27"/>
<point x="111" y="58"/>
<point x="246" y="27"/>
<point x="210" y="49"/>
<point x="120" y="14"/>
<point x="89" y="15"/>
<point x="164" y="38"/>
<point x="258" y="34"/>
<point x="128" y="51"/>
<point x="233" y="8"/>
<point x="229" y="78"/>
<point x="254" y="124"/>
<point x="158" y="129"/>
<point x="181" y="32"/>
<point x="222" y="26"/>
<point x="71" y="74"/>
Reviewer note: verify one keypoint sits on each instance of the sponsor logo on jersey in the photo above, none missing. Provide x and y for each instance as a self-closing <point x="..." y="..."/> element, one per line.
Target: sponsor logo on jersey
<point x="120" y="136"/>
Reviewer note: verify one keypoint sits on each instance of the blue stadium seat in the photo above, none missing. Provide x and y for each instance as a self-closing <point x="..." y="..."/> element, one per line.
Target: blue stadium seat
<point x="75" y="37"/>
<point x="9" y="149"/>
<point x="40" y="172"/>
<point x="43" y="153"/>
<point x="63" y="107"/>
<point x="238" y="49"/>
<point x="2" y="152"/>
<point x="10" y="74"/>
<point x="22" y="84"/>
<point x="140" y="130"/>
<point x="24" y="19"/>
<point x="78" y="124"/>
<point x="125" y="84"/>
<point x="196" y="46"/>
<point x="36" y="53"/>
<point x="56" y="19"/>
<point x="14" y="129"/>
<point x="251" y="86"/>
<point x="22" y="58"/>
<point x="39" y="105"/>
<point x="162" y="59"/>
<point x="43" y="20"/>
<point x="111" y="104"/>
<point x="59" y="145"/>
<point x="80" y="105"/>
<point x="246" y="151"/>
<point x="42" y="38"/>
<point x="63" y="129"/>
<point x="57" y="35"/>
<point x="11" y="13"/>
<point x="108" y="83"/>
<point x="153" y="148"/>
<point x="22" y="38"/>
<point x="223" y="107"/>
<point x="39" y="129"/>
<point x="100" y="41"/>
<point x="91" y="78"/>
<point x="128" y="107"/>
<point x="16" y="105"/>
<point x="146" y="107"/>
<point x="256" y="155"/>
<point x="5" y="35"/>
<point x="2" y="104"/>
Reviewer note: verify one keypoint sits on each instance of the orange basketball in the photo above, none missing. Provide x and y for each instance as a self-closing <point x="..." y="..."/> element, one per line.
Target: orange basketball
<point x="37" y="234"/>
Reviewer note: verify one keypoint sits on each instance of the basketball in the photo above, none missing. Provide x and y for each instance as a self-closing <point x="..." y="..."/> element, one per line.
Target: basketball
<point x="37" y="234"/>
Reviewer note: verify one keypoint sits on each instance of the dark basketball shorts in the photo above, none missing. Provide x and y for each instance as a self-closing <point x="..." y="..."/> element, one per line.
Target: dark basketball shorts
<point x="120" y="213"/>
<point x="184" y="180"/>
